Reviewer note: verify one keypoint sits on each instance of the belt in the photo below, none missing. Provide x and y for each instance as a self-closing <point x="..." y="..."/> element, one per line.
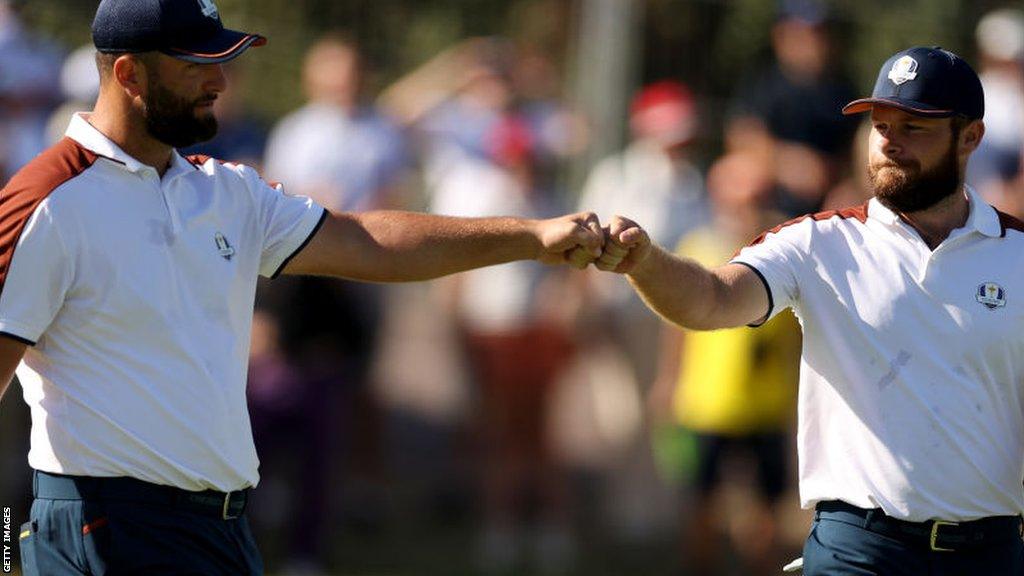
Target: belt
<point x="935" y="535"/>
<point x="223" y="505"/>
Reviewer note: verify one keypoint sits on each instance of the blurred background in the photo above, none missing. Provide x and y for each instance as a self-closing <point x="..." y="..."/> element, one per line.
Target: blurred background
<point x="523" y="419"/>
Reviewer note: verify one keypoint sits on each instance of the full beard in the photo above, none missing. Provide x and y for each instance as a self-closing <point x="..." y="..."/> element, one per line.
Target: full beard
<point x="905" y="188"/>
<point x="173" y="121"/>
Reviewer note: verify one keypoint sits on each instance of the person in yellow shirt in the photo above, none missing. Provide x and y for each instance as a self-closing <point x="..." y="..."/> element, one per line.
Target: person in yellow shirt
<point x="732" y="391"/>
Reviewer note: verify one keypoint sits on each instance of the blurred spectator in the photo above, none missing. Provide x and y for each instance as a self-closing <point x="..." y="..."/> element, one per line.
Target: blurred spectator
<point x="29" y="90"/>
<point x="241" y="135"/>
<point x="341" y="152"/>
<point x="652" y="181"/>
<point x="454" y="101"/>
<point x="854" y="189"/>
<point x="291" y="426"/>
<point x="337" y="149"/>
<point x="80" y="85"/>
<point x="733" y="390"/>
<point x="995" y="168"/>
<point x="514" y="320"/>
<point x="788" y="111"/>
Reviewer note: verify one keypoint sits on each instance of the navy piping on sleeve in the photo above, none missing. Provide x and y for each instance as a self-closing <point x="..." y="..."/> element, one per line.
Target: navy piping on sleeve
<point x="323" y="217"/>
<point x="767" y="289"/>
<point x="25" y="341"/>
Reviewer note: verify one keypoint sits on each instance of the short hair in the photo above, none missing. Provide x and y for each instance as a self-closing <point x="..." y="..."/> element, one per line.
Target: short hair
<point x="960" y="121"/>
<point x="105" y="62"/>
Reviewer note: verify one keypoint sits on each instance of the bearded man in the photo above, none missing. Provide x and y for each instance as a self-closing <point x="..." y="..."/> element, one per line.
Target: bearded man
<point x="911" y="402"/>
<point x="127" y="279"/>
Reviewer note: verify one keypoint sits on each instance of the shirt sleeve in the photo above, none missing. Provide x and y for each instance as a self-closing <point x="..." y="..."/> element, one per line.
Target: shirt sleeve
<point x="777" y="258"/>
<point x="33" y="287"/>
<point x="288" y="224"/>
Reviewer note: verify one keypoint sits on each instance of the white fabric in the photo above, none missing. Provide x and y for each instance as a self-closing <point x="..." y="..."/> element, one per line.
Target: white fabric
<point x="910" y="388"/>
<point x="141" y="321"/>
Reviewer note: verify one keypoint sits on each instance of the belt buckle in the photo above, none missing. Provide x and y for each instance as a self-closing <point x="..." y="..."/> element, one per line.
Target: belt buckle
<point x="935" y="535"/>
<point x="227" y="505"/>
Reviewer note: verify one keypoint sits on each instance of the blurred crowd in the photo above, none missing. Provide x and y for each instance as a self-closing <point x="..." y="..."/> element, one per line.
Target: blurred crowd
<point x="546" y="409"/>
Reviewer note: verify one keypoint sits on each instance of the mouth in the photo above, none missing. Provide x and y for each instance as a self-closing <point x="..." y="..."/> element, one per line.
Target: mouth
<point x="205" y="103"/>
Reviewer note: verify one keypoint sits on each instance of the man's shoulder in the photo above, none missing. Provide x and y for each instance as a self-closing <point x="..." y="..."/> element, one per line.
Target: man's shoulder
<point x="228" y="171"/>
<point x="46" y="172"/>
<point x="818" y="221"/>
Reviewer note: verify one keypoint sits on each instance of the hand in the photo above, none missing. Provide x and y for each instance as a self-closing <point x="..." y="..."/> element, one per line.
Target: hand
<point x="576" y="239"/>
<point x="626" y="246"/>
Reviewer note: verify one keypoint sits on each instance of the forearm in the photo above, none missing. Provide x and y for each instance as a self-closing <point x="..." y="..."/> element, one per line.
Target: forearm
<point x="410" y="246"/>
<point x="396" y="246"/>
<point x="11" y="352"/>
<point x="680" y="290"/>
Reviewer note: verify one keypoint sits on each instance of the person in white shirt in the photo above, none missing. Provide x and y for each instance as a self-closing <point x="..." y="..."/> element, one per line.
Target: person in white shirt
<point x="911" y="408"/>
<point x="127" y="279"/>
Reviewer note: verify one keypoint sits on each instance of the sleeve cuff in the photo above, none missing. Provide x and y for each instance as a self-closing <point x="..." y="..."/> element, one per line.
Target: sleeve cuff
<point x="309" y="237"/>
<point x="767" y="289"/>
<point x="19" y="332"/>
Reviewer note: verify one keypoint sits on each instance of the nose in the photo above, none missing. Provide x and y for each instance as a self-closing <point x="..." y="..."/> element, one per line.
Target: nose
<point x="888" y="142"/>
<point x="216" y="80"/>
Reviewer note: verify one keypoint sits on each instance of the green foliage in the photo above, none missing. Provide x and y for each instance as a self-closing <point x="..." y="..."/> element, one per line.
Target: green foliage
<point x="707" y="43"/>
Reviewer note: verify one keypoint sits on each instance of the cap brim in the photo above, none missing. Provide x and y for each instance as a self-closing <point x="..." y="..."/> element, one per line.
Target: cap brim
<point x="909" y="106"/>
<point x="226" y="45"/>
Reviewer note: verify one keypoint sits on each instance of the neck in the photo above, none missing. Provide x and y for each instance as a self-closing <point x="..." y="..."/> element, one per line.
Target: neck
<point x="934" y="224"/>
<point x="125" y="127"/>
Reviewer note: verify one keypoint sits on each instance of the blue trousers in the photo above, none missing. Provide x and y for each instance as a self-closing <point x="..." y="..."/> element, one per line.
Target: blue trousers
<point x="836" y="547"/>
<point x="111" y="537"/>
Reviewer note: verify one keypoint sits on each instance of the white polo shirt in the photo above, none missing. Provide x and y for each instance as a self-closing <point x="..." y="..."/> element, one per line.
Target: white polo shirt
<point x="913" y="362"/>
<point x="137" y="292"/>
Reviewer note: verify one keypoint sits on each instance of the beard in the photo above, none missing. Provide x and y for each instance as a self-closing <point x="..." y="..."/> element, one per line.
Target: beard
<point x="172" y="119"/>
<point x="904" y="187"/>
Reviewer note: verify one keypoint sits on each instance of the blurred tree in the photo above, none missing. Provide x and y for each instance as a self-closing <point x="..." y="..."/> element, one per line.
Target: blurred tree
<point x="708" y="44"/>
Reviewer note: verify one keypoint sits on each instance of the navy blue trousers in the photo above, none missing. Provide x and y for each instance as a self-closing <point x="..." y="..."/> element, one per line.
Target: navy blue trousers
<point x="840" y="548"/>
<point x="111" y="538"/>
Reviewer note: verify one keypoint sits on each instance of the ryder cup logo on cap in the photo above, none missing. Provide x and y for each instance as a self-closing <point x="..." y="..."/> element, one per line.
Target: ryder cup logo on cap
<point x="905" y="69"/>
<point x="189" y="30"/>
<point x="925" y="82"/>
<point x="209" y="8"/>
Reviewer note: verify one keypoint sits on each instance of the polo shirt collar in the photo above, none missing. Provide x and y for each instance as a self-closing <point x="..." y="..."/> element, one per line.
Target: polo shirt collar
<point x="981" y="216"/>
<point x="81" y="131"/>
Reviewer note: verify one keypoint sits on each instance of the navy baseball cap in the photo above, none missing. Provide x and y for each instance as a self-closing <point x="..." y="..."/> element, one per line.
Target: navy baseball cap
<point x="189" y="30"/>
<point x="927" y="82"/>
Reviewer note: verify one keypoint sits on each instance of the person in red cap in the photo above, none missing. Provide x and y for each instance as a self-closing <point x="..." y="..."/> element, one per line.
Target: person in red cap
<point x="651" y="181"/>
<point x="127" y="279"/>
<point x="911" y="399"/>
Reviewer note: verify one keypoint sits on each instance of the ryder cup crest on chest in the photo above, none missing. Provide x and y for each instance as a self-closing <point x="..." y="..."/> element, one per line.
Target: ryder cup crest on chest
<point x="903" y="70"/>
<point x="991" y="295"/>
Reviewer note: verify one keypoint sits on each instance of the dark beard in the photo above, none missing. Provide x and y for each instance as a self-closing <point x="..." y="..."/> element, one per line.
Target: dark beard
<point x="905" y="188"/>
<point x="172" y="120"/>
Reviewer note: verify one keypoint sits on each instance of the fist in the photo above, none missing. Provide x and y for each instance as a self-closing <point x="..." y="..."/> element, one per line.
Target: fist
<point x="626" y="245"/>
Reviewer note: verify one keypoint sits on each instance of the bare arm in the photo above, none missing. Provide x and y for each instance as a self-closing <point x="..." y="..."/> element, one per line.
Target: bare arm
<point x="396" y="246"/>
<point x="11" y="352"/>
<point x="681" y="290"/>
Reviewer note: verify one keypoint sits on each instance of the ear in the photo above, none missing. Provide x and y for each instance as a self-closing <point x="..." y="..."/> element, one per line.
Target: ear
<point x="130" y="74"/>
<point x="970" y="136"/>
